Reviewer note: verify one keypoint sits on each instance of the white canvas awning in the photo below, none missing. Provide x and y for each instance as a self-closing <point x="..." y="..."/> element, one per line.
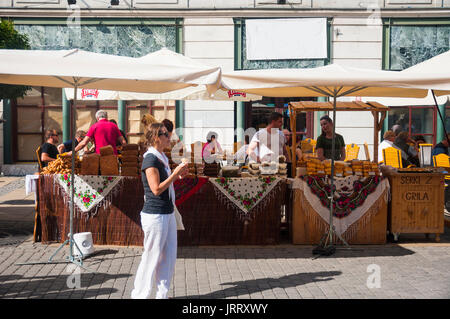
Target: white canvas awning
<point x="189" y="93"/>
<point x="158" y="72"/>
<point x="336" y="80"/>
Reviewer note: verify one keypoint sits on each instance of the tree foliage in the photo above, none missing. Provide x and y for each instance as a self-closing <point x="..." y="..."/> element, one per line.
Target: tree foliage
<point x="12" y="39"/>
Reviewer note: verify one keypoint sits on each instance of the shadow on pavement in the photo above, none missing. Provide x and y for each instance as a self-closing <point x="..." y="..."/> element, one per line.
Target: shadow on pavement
<point x="18" y="202"/>
<point x="288" y="251"/>
<point x="53" y="286"/>
<point x="259" y="285"/>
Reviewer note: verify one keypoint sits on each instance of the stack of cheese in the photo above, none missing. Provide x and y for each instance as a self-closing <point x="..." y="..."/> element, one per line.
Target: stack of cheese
<point x="253" y="168"/>
<point x="282" y="166"/>
<point x="314" y="166"/>
<point x="357" y="167"/>
<point x="90" y="164"/>
<point x="211" y="169"/>
<point x="339" y="168"/>
<point x="130" y="160"/>
<point x="370" y="169"/>
<point x="109" y="164"/>
<point x="348" y="170"/>
<point x="301" y="168"/>
<point x="196" y="165"/>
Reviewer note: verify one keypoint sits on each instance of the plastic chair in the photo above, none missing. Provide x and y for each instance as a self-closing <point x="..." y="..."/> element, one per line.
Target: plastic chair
<point x="441" y="160"/>
<point x="38" y="155"/>
<point x="351" y="152"/>
<point x="308" y="145"/>
<point x="392" y="157"/>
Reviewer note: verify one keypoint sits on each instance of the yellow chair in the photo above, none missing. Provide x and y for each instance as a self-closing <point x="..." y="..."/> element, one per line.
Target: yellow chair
<point x="351" y="152"/>
<point x="441" y="160"/>
<point x="392" y="157"/>
<point x="38" y="155"/>
<point x="308" y="145"/>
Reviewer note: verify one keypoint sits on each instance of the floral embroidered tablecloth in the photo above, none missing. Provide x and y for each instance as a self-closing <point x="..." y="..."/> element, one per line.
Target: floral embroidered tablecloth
<point x="188" y="186"/>
<point x="89" y="190"/>
<point x="355" y="198"/>
<point x="245" y="193"/>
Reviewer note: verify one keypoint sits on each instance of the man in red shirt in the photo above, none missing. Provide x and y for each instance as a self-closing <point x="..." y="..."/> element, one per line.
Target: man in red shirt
<point x="102" y="133"/>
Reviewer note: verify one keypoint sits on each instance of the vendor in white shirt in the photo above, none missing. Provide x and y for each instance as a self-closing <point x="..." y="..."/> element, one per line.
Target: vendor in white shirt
<point x="388" y="141"/>
<point x="268" y="143"/>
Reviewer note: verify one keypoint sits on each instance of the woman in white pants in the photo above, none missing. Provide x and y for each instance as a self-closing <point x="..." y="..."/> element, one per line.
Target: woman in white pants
<point x="157" y="217"/>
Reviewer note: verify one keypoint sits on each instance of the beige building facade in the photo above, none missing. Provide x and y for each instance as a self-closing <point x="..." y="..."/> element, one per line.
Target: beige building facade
<point x="382" y="34"/>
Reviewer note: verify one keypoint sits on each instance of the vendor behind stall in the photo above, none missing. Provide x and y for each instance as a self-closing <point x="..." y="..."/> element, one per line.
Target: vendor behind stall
<point x="211" y="147"/>
<point x="408" y="154"/>
<point x="268" y="143"/>
<point x="325" y="140"/>
<point x="48" y="151"/>
<point x="442" y="147"/>
<point x="103" y="133"/>
<point x="67" y="146"/>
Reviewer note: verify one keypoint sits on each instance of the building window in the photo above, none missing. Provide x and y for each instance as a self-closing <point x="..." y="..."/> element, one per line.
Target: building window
<point x="256" y="112"/>
<point x="415" y="120"/>
<point x="412" y="44"/>
<point x="408" y="42"/>
<point x="132" y="40"/>
<point x="41" y="109"/>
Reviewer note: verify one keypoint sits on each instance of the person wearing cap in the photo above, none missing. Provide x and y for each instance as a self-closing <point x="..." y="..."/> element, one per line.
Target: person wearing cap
<point x="325" y="140"/>
<point x="388" y="141"/>
<point x="212" y="146"/>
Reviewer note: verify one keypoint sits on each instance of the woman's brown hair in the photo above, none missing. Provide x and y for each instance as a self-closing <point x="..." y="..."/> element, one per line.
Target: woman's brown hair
<point x="152" y="134"/>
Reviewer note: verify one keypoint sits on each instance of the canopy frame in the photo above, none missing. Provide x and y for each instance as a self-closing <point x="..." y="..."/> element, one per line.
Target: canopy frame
<point x="295" y="107"/>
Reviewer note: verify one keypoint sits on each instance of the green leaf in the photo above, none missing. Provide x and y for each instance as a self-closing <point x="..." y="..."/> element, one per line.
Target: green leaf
<point x="12" y="39"/>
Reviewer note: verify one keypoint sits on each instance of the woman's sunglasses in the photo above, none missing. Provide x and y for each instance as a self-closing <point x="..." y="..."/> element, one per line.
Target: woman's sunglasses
<point x="166" y="134"/>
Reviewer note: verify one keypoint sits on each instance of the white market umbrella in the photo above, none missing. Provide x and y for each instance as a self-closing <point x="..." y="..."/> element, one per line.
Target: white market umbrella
<point x="439" y="64"/>
<point x="199" y="92"/>
<point x="335" y="81"/>
<point x="155" y="73"/>
<point x="158" y="72"/>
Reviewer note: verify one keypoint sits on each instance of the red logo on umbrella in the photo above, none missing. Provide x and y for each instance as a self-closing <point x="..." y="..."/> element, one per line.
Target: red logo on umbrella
<point x="89" y="93"/>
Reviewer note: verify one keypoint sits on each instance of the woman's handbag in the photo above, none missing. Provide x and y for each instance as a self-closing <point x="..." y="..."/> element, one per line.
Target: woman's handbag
<point x="178" y="218"/>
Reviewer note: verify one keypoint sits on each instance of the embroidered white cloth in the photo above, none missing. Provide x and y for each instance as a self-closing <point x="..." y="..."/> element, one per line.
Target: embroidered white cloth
<point x="89" y="190"/>
<point x="245" y="193"/>
<point x="343" y="223"/>
<point x="31" y="184"/>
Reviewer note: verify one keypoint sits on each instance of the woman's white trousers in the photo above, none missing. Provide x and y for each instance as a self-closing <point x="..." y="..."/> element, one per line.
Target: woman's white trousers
<point x="158" y="259"/>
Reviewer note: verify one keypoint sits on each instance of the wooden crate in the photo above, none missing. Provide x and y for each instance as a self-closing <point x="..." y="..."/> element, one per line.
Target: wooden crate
<point x="417" y="201"/>
<point x="307" y="232"/>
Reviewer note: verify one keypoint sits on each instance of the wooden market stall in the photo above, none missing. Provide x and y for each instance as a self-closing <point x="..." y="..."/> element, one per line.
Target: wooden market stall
<point x="416" y="203"/>
<point x="375" y="108"/>
<point x="360" y="215"/>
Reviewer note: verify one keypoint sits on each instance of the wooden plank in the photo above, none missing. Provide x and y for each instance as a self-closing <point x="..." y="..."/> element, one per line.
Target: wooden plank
<point x="417" y="201"/>
<point x="305" y="232"/>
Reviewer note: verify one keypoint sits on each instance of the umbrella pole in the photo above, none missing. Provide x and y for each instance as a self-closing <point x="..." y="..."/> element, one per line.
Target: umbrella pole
<point x="71" y="258"/>
<point x="327" y="248"/>
<point x="440" y="115"/>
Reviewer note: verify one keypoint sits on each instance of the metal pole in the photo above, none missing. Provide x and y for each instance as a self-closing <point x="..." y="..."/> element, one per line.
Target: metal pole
<point x="72" y="177"/>
<point x="440" y="115"/>
<point x="333" y="147"/>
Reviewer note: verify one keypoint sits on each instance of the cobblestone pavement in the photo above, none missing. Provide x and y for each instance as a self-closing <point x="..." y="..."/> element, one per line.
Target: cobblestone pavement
<point x="417" y="268"/>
